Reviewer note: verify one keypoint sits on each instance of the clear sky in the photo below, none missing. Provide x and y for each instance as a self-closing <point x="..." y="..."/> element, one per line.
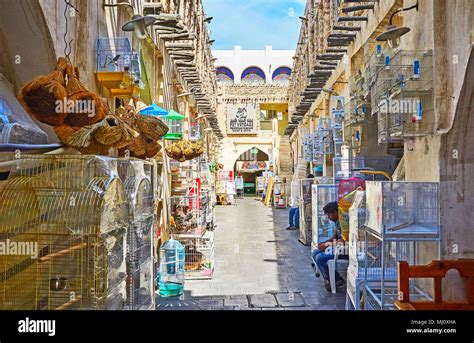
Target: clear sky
<point x="254" y="23"/>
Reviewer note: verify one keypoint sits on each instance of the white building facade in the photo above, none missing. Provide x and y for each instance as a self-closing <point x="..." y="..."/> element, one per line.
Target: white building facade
<point x="257" y="66"/>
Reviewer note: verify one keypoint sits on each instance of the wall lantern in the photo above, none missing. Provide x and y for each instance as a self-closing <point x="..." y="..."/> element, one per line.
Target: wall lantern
<point x="393" y="33"/>
<point x="138" y="24"/>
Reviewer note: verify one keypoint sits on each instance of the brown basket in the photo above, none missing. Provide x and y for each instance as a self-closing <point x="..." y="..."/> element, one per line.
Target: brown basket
<point x="94" y="148"/>
<point x="152" y="148"/>
<point x="137" y="147"/>
<point x="39" y="96"/>
<point x="64" y="132"/>
<point x="77" y="92"/>
<point x="151" y="126"/>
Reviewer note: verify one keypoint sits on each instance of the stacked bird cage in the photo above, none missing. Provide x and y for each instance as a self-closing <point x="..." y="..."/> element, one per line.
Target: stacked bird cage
<point x="322" y="228"/>
<point x="402" y="219"/>
<point x="199" y="256"/>
<point x="70" y="212"/>
<point x="187" y="216"/>
<point x="318" y="155"/>
<point x="344" y="168"/>
<point x="404" y="95"/>
<point x="137" y="179"/>
<point x="308" y="143"/>
<point x="372" y="74"/>
<point x="356" y="247"/>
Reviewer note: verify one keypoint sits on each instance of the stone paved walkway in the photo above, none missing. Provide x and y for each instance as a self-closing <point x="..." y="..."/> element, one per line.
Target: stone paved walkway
<point x="259" y="265"/>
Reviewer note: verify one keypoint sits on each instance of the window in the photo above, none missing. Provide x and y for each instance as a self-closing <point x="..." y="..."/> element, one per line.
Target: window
<point x="253" y="75"/>
<point x="225" y="75"/>
<point x="281" y="75"/>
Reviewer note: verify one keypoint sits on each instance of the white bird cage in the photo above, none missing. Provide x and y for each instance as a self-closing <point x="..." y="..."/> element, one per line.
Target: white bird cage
<point x="187" y="216"/>
<point x="137" y="179"/>
<point x="404" y="95"/>
<point x="114" y="54"/>
<point x="402" y="219"/>
<point x="199" y="257"/>
<point x="381" y="257"/>
<point x="403" y="208"/>
<point x="355" y="275"/>
<point x="322" y="227"/>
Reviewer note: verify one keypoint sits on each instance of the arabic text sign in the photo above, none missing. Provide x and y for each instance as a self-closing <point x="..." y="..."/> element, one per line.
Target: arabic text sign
<point x="241" y="119"/>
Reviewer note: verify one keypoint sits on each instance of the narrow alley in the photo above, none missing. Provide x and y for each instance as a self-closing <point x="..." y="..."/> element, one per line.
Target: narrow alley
<point x="259" y="265"/>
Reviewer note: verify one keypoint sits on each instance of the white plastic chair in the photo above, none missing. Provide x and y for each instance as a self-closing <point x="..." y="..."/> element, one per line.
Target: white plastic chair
<point x="339" y="265"/>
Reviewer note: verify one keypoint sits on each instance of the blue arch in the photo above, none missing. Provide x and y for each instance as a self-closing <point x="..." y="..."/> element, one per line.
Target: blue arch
<point x="253" y="74"/>
<point x="225" y="74"/>
<point x="282" y="72"/>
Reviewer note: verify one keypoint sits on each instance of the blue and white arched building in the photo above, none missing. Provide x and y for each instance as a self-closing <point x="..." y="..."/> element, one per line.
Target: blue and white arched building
<point x="253" y="66"/>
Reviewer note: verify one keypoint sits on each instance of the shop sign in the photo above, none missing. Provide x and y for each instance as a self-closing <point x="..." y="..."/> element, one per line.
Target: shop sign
<point x="241" y="119"/>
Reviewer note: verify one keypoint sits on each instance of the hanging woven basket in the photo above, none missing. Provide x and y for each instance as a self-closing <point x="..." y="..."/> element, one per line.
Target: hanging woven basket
<point x="41" y="95"/>
<point x="95" y="108"/>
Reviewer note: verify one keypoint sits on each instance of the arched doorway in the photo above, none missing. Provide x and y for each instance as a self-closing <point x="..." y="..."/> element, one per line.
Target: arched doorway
<point x="250" y="165"/>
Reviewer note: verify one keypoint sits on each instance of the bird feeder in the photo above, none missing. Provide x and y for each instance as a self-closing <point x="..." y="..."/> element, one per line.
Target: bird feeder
<point x="174" y="121"/>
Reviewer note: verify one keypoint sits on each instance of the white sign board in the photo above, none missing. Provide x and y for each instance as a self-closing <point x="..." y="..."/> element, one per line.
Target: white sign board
<point x="241" y="119"/>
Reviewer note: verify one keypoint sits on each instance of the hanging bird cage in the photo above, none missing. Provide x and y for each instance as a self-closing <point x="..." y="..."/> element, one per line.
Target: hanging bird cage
<point x="175" y="122"/>
<point x="137" y="179"/>
<point x="73" y="210"/>
<point x="118" y="67"/>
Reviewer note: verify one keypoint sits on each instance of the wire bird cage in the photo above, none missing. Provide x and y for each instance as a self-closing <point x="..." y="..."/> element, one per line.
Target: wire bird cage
<point x="116" y="55"/>
<point x="199" y="257"/>
<point x="356" y="253"/>
<point x="137" y="179"/>
<point x="345" y="168"/>
<point x="188" y="215"/>
<point x="305" y="206"/>
<point x="327" y="141"/>
<point x="318" y="152"/>
<point x="308" y="143"/>
<point x="404" y="95"/>
<point x="381" y="258"/>
<point x="322" y="228"/>
<point x="403" y="208"/>
<point x="73" y="210"/>
<point x="375" y="64"/>
<point x="402" y="219"/>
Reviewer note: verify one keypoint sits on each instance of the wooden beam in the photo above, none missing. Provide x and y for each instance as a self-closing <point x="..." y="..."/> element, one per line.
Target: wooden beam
<point x="329" y="57"/>
<point x="179" y="45"/>
<point x="346" y="28"/>
<point x="343" y="19"/>
<point x="173" y="36"/>
<point x="357" y="8"/>
<point x="337" y="51"/>
<point x="342" y="35"/>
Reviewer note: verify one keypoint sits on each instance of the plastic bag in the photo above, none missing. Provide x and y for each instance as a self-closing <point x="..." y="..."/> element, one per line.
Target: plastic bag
<point x="16" y="126"/>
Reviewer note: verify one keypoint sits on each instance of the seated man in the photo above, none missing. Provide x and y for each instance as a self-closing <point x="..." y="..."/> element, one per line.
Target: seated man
<point x="321" y="256"/>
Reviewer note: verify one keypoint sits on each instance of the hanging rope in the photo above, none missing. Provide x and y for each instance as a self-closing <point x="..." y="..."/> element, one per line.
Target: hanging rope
<point x="67" y="45"/>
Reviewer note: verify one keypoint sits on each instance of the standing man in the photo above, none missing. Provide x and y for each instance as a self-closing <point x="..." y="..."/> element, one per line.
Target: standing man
<point x="322" y="255"/>
<point x="294" y="216"/>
